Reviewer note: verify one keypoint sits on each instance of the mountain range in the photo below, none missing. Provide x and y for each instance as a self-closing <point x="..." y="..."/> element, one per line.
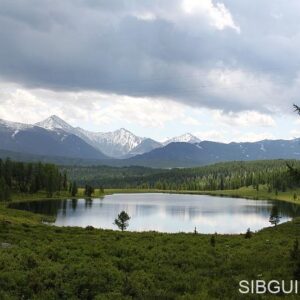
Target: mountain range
<point x="56" y="139"/>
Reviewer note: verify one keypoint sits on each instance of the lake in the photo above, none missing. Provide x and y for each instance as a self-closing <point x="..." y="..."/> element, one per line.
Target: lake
<point x="164" y="212"/>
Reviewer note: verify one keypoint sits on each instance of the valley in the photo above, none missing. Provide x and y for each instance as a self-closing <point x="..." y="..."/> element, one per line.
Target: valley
<point x="133" y="264"/>
<point x="149" y="150"/>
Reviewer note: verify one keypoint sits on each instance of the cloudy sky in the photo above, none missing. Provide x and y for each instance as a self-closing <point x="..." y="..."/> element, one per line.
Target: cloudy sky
<point x="223" y="70"/>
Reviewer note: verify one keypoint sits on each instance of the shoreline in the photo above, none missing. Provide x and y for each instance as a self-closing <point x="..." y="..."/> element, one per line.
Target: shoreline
<point x="245" y="193"/>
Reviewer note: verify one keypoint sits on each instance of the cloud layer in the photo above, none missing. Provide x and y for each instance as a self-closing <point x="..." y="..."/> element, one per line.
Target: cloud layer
<point x="225" y="70"/>
<point x="232" y="56"/>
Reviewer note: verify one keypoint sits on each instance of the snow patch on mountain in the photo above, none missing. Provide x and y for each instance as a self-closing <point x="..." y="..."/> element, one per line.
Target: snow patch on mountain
<point x="14" y="125"/>
<point x="54" y="122"/>
<point x="184" y="138"/>
<point x="262" y="148"/>
<point x="115" y="143"/>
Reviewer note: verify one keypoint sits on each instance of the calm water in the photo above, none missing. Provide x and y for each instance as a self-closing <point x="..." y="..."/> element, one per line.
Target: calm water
<point x="165" y="212"/>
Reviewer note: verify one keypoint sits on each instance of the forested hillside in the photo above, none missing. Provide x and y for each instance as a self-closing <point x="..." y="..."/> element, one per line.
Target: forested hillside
<point x="29" y="178"/>
<point x="221" y="176"/>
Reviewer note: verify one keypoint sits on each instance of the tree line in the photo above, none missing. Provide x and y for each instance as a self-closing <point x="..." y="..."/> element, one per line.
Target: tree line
<point x="222" y="176"/>
<point x="20" y="177"/>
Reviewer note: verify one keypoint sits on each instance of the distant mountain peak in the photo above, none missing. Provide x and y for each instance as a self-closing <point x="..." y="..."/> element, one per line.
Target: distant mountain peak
<point x="55" y="122"/>
<point x="184" y="138"/>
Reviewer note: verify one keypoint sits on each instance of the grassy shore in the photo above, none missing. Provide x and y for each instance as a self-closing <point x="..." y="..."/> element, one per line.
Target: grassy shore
<point x="46" y="262"/>
<point x="292" y="196"/>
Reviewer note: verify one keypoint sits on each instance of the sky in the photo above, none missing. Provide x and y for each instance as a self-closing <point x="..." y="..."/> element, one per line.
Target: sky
<point x="222" y="70"/>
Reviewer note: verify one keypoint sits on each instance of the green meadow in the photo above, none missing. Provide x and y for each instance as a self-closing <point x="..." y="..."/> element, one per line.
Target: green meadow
<point x="41" y="261"/>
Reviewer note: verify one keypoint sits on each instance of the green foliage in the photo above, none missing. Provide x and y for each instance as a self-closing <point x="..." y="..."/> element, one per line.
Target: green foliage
<point x="222" y="176"/>
<point x="4" y="190"/>
<point x="274" y="216"/>
<point x="248" y="234"/>
<point x="297" y="271"/>
<point x="88" y="191"/>
<point x="213" y="240"/>
<point x="73" y="189"/>
<point x="295" y="252"/>
<point x="46" y="262"/>
<point x="30" y="178"/>
<point x="122" y="220"/>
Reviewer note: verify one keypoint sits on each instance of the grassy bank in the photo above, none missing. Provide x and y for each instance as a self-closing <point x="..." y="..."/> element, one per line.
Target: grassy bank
<point x="45" y="262"/>
<point x="292" y="196"/>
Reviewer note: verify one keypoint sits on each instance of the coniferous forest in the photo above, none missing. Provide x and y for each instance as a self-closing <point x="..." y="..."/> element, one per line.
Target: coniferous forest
<point x="39" y="261"/>
<point x="275" y="174"/>
<point x="19" y="177"/>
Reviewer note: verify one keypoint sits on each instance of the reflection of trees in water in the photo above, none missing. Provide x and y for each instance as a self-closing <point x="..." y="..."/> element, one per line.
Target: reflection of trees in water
<point x="287" y="209"/>
<point x="88" y="203"/>
<point x="51" y="207"/>
<point x="146" y="210"/>
<point x="101" y="201"/>
<point x="178" y="211"/>
<point x="74" y="203"/>
<point x="46" y="207"/>
<point x="64" y="207"/>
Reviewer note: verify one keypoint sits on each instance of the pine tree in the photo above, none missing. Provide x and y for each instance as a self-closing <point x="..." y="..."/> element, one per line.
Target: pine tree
<point x="248" y="234"/>
<point x="274" y="216"/>
<point x="4" y="190"/>
<point x="89" y="190"/>
<point x="122" y="220"/>
<point x="74" y="189"/>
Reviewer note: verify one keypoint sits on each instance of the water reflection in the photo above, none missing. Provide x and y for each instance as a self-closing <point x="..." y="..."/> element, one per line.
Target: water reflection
<point x="164" y="212"/>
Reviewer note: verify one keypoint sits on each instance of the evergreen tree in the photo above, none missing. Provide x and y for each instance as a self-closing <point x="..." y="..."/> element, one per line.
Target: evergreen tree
<point x="74" y="189"/>
<point x="122" y="220"/>
<point x="274" y="216"/>
<point x="4" y="190"/>
<point x="248" y="234"/>
<point x="88" y="191"/>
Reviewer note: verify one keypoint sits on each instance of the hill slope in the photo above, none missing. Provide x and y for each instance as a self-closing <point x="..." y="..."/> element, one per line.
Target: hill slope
<point x="37" y="140"/>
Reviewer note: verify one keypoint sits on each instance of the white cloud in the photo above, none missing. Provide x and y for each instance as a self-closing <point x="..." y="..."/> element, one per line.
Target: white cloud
<point x="253" y="137"/>
<point x="141" y="111"/>
<point x="227" y="136"/>
<point x="245" y="118"/>
<point x="30" y="106"/>
<point x="211" y="135"/>
<point x="187" y="120"/>
<point x="145" y="16"/>
<point x="295" y="133"/>
<point x="219" y="16"/>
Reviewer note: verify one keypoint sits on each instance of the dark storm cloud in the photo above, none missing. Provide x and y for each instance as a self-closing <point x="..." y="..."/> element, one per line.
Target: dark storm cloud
<point x="151" y="48"/>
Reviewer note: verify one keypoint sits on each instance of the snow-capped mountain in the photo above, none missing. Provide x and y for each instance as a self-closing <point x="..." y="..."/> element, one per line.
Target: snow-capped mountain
<point x="13" y="125"/>
<point x="190" y="155"/>
<point x="145" y="146"/>
<point x="115" y="144"/>
<point x="184" y="138"/>
<point x="54" y="122"/>
<point x="54" y="137"/>
<point x="34" y="139"/>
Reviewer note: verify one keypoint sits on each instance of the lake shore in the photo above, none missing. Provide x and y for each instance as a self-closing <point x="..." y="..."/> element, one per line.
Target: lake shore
<point x="245" y="192"/>
<point x="112" y="264"/>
